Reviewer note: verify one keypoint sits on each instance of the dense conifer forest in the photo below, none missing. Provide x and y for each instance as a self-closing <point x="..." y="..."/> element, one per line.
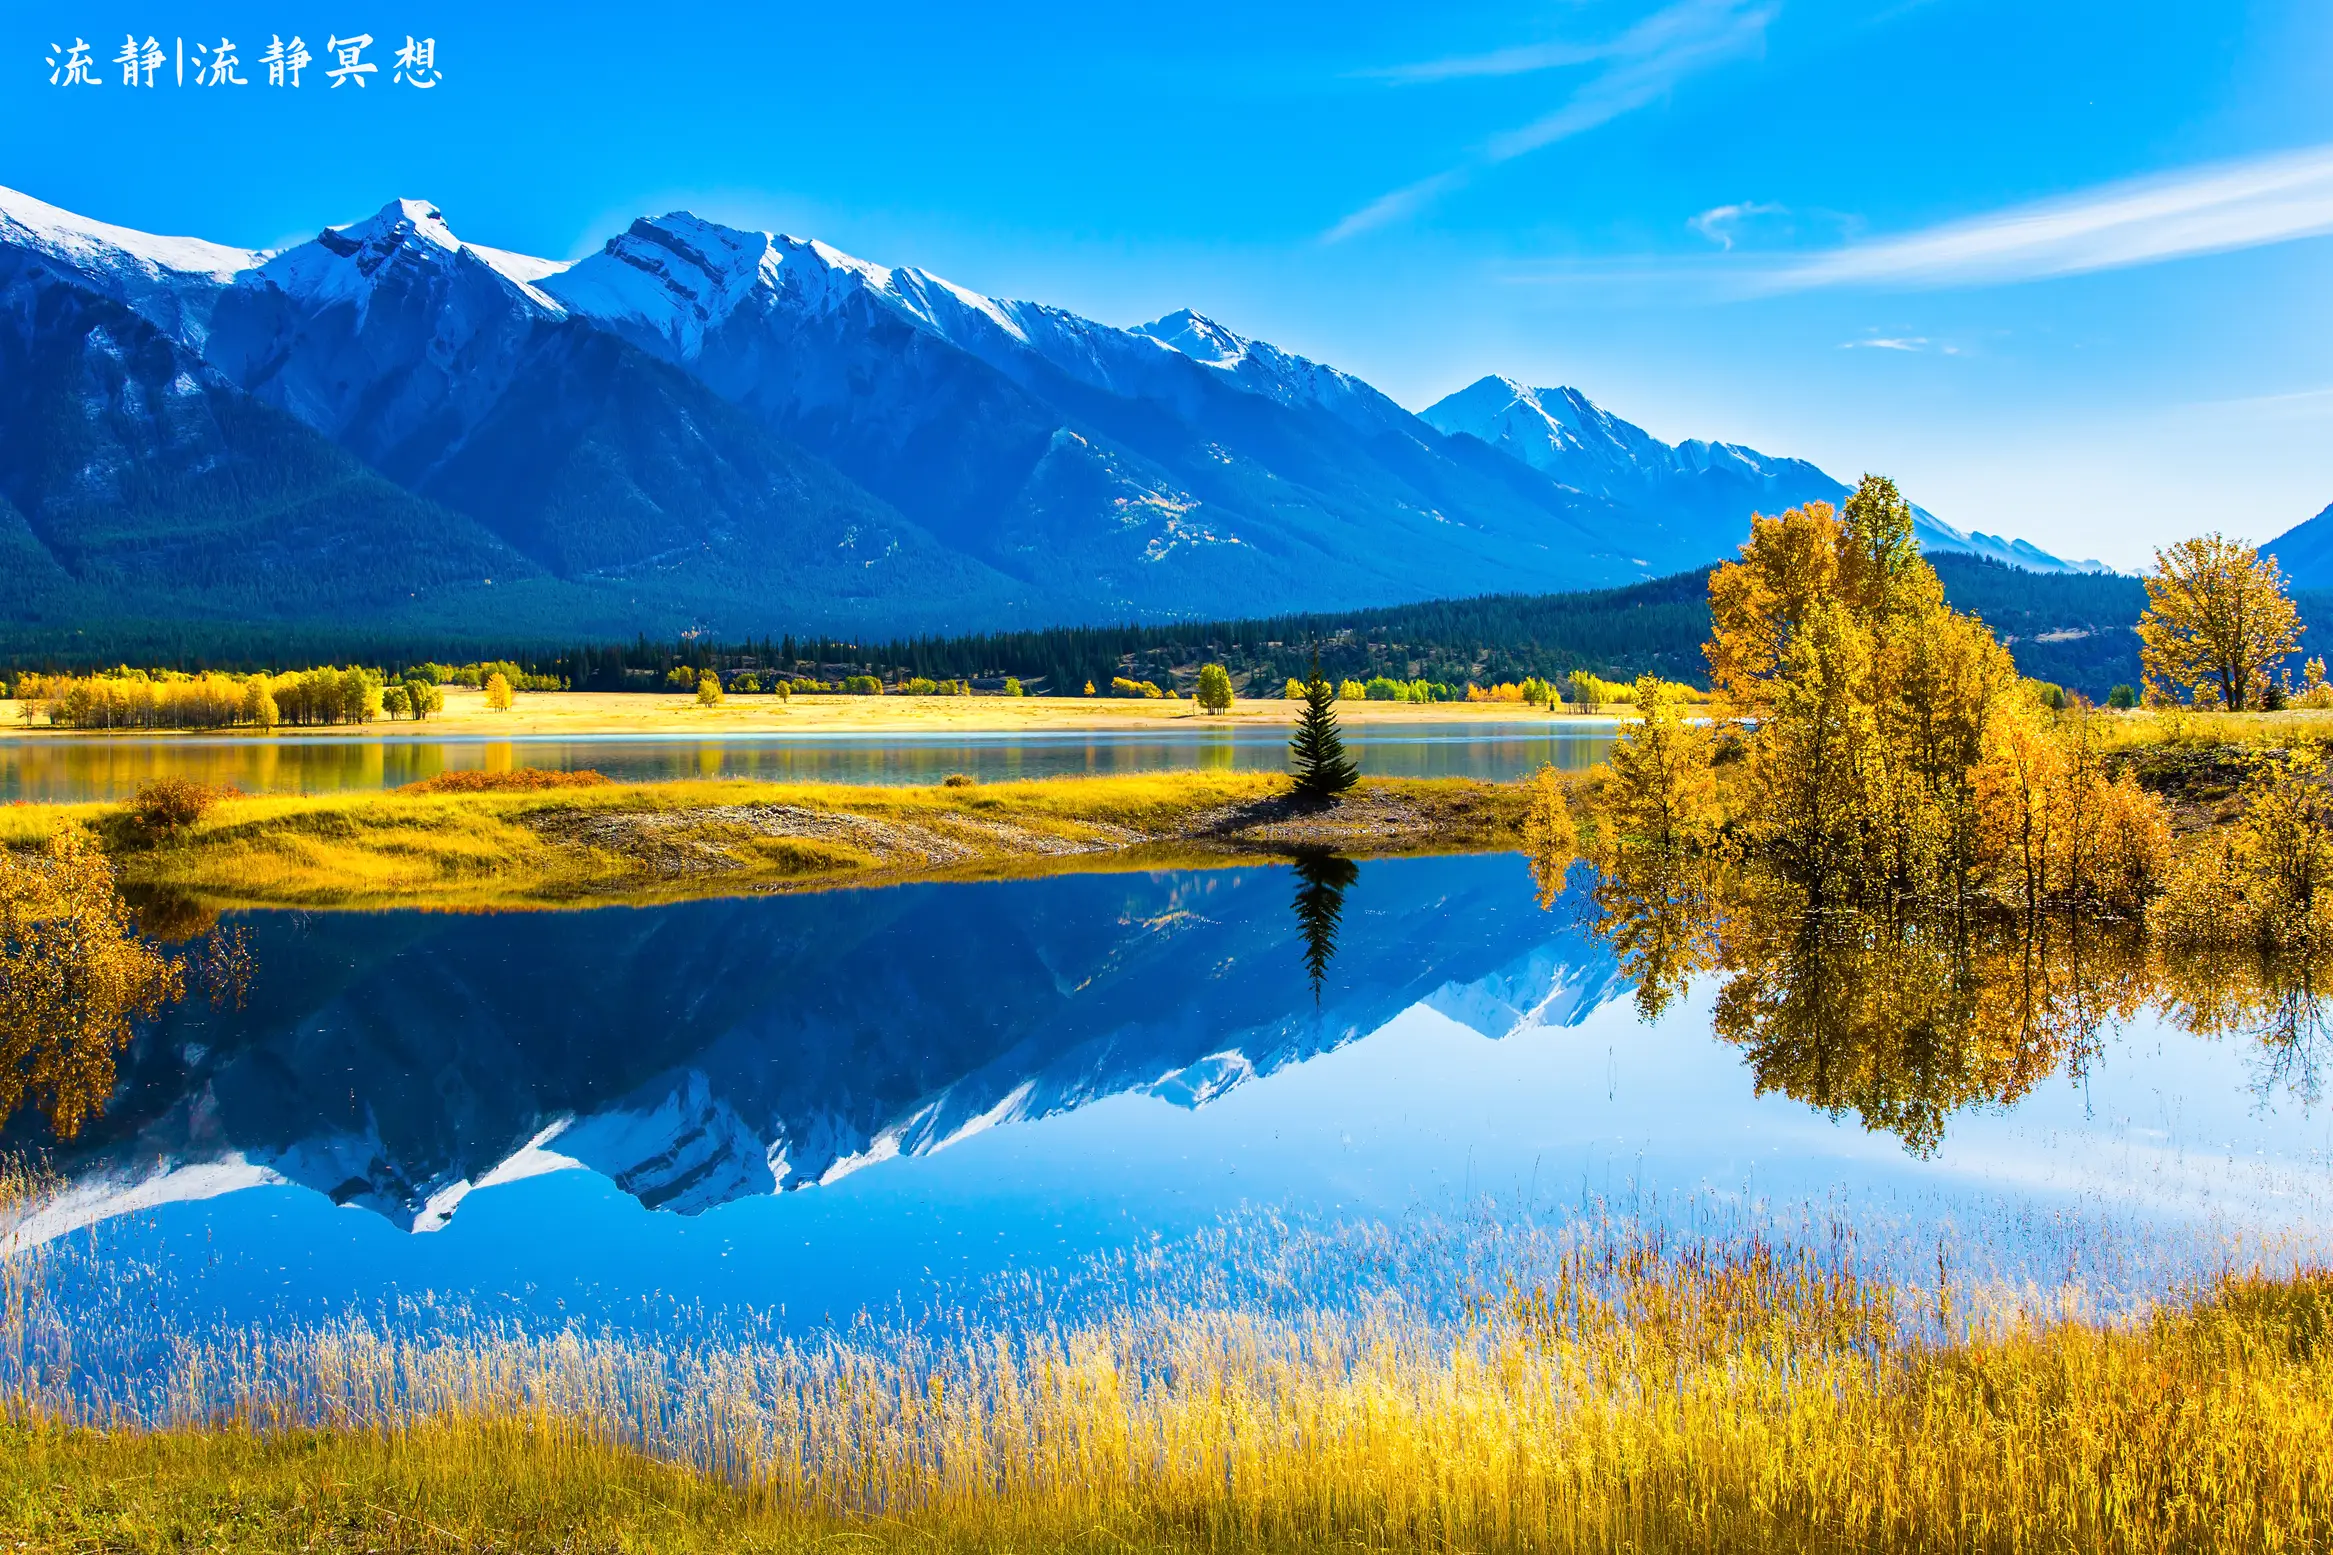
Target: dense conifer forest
<point x="2073" y="630"/>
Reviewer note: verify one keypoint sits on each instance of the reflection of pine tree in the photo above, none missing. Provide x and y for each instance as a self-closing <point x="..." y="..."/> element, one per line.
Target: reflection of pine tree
<point x="1321" y="879"/>
<point x="1316" y="753"/>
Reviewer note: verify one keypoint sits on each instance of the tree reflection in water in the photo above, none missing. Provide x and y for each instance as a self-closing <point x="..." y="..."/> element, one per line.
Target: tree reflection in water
<point x="1321" y="882"/>
<point x="1906" y="1017"/>
<point x="76" y="979"/>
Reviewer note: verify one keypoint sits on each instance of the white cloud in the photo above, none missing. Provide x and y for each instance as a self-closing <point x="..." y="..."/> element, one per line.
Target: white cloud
<point x="1890" y="343"/>
<point x="1722" y="223"/>
<point x="2205" y="210"/>
<point x="1642" y="64"/>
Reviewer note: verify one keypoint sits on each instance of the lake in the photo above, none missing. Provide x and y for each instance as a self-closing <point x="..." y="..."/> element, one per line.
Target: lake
<point x="56" y="770"/>
<point x="804" y="1107"/>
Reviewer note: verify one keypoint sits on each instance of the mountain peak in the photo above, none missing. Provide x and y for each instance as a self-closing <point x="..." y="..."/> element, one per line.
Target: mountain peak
<point x="679" y="276"/>
<point x="345" y="263"/>
<point x="1197" y="337"/>
<point x="399" y="220"/>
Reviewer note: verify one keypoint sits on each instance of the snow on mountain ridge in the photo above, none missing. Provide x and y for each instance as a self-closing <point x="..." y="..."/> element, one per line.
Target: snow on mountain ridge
<point x="343" y="263"/>
<point x="171" y="282"/>
<point x="1259" y="367"/>
<point x="1570" y="438"/>
<point x="38" y="224"/>
<point x="1198" y="337"/>
<point x="680" y="276"/>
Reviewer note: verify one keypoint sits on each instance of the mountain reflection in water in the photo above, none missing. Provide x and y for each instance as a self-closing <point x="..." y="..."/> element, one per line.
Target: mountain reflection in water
<point x="702" y="1053"/>
<point x="699" y="1053"/>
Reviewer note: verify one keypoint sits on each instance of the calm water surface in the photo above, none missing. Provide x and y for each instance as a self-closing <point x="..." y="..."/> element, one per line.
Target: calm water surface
<point x="826" y="1103"/>
<point x="82" y="768"/>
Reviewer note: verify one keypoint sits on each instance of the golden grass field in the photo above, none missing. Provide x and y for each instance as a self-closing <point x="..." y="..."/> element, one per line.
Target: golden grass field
<point x="646" y="842"/>
<point x="1653" y="1397"/>
<point x="584" y="713"/>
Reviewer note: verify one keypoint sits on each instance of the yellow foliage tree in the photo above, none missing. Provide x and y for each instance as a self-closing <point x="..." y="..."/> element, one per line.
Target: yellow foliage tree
<point x="2217" y="620"/>
<point x="2268" y="879"/>
<point x="1892" y="752"/>
<point x="1661" y="791"/>
<point x="498" y="693"/>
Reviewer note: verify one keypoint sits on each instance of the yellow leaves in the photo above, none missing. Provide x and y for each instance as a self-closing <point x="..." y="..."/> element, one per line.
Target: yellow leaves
<point x="1788" y="565"/>
<point x="2269" y="879"/>
<point x="2054" y="830"/>
<point x="1891" y="754"/>
<point x="1662" y="791"/>
<point x="74" y="979"/>
<point x="1549" y="836"/>
<point x="2217" y="620"/>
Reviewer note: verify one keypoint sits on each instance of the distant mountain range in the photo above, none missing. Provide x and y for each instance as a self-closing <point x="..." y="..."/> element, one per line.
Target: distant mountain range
<point x="2305" y="552"/>
<point x="698" y="1054"/>
<point x="702" y="427"/>
<point x="1694" y="494"/>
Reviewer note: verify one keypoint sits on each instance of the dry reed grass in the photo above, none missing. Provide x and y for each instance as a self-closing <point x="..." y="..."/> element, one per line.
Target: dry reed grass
<point x="1645" y="1391"/>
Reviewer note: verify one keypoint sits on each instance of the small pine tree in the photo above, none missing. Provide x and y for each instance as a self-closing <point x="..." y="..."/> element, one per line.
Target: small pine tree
<point x="1316" y="753"/>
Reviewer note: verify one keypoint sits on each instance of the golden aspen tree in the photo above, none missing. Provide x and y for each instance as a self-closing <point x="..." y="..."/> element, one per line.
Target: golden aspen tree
<point x="1661" y="794"/>
<point x="2217" y="620"/>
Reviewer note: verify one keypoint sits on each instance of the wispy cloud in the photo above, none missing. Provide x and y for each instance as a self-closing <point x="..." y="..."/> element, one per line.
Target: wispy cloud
<point x="2300" y="405"/>
<point x="1886" y="343"/>
<point x="1640" y="65"/>
<point x="2205" y="210"/>
<point x="1722" y="223"/>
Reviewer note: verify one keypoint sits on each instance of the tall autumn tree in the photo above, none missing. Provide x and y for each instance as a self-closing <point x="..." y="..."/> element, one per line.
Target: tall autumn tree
<point x="2217" y="620"/>
<point x="1865" y="698"/>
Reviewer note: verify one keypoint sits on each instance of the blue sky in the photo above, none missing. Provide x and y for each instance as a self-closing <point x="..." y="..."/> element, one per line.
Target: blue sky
<point x="2058" y="267"/>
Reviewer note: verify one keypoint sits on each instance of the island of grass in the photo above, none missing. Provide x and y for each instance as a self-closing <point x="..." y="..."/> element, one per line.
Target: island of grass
<point x="526" y="839"/>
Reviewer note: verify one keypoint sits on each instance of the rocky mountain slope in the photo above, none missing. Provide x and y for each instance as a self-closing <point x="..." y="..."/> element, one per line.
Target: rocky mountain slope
<point x="704" y="427"/>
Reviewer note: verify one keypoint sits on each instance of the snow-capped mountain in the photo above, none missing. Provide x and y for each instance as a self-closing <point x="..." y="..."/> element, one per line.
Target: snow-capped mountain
<point x="170" y="282"/>
<point x="1701" y="491"/>
<point x="695" y="1055"/>
<point x="390" y="335"/>
<point x="1089" y="460"/>
<point x="701" y="426"/>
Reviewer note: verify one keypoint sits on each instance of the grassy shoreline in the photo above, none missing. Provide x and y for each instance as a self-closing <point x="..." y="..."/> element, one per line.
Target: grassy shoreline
<point x="1752" y="1402"/>
<point x="667" y="841"/>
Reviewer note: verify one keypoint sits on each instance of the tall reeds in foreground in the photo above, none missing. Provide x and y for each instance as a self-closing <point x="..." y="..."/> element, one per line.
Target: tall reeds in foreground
<point x="1642" y="1391"/>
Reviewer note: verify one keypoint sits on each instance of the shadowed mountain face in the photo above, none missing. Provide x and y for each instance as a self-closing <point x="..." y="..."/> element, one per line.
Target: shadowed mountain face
<point x="700" y="426"/>
<point x="2305" y="551"/>
<point x="134" y="476"/>
<point x="702" y="1053"/>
